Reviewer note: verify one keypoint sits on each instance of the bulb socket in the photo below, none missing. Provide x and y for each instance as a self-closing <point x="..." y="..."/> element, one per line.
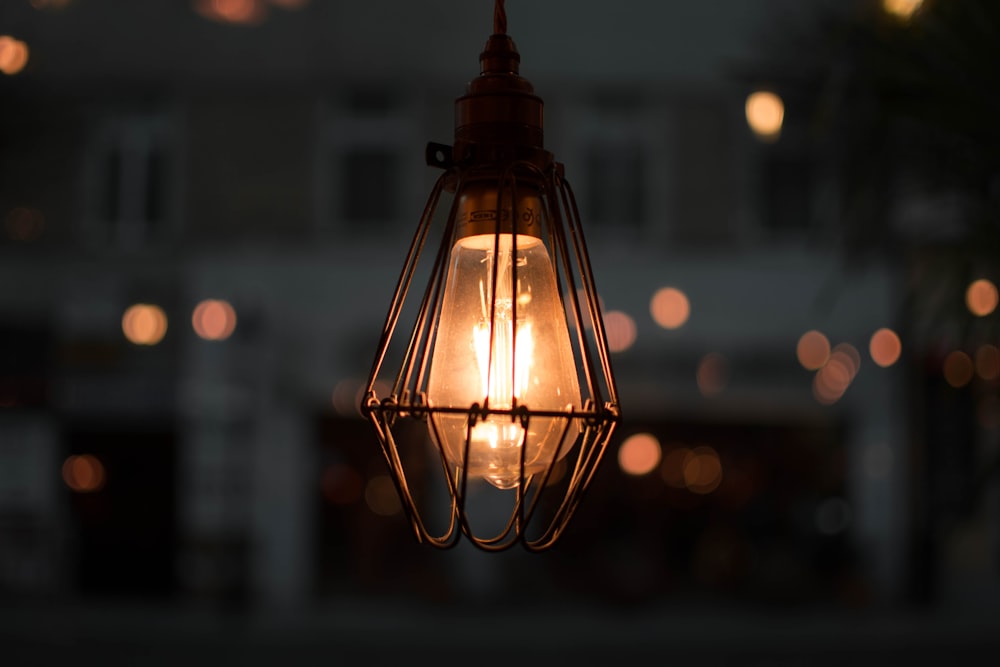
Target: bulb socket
<point x="499" y="107"/>
<point x="476" y="211"/>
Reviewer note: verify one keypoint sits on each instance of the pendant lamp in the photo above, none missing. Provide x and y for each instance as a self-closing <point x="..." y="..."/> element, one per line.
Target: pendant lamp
<point x="495" y="407"/>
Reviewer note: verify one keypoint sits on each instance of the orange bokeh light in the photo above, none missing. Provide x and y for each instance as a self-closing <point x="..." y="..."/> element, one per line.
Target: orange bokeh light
<point x="620" y="330"/>
<point x="144" y="324"/>
<point x="813" y="350"/>
<point x="639" y="454"/>
<point x="958" y="369"/>
<point x="83" y="473"/>
<point x="702" y="470"/>
<point x="850" y="357"/>
<point x="981" y="297"/>
<point x="232" y="11"/>
<point x="765" y="112"/>
<point x="673" y="466"/>
<point x="214" y="319"/>
<point x="13" y="55"/>
<point x="988" y="362"/>
<point x="885" y="347"/>
<point x="381" y="496"/>
<point x="833" y="379"/>
<point x="712" y="374"/>
<point x="902" y="9"/>
<point x="670" y="307"/>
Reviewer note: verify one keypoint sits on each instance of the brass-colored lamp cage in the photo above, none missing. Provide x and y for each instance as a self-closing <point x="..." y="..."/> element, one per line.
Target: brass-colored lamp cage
<point x="497" y="151"/>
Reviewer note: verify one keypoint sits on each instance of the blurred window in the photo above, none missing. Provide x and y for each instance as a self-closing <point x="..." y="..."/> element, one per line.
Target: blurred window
<point x="129" y="183"/>
<point x="787" y="194"/>
<point x="368" y="150"/>
<point x="614" y="173"/>
<point x="617" y="162"/>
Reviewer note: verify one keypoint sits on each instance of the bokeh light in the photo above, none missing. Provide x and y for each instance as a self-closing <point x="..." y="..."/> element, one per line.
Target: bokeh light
<point x="144" y="324"/>
<point x="670" y="307"/>
<point x="988" y="362"/>
<point x="13" y="55"/>
<point x="813" y="350"/>
<point x="620" y="330"/>
<point x="673" y="466"/>
<point x="381" y="496"/>
<point x="833" y="379"/>
<point x="902" y="9"/>
<point x="214" y="319"/>
<point x="765" y="112"/>
<point x="639" y="454"/>
<point x="702" y="470"/>
<point x="981" y="297"/>
<point x="958" y="369"/>
<point x="712" y="374"/>
<point x="347" y="397"/>
<point x="849" y="355"/>
<point x="240" y="12"/>
<point x="83" y="473"/>
<point x="885" y="347"/>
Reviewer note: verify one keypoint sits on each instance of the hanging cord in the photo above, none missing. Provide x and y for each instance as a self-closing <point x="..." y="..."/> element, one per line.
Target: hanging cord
<point x="499" y="18"/>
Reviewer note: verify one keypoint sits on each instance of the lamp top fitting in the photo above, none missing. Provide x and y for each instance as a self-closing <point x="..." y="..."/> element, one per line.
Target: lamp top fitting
<point x="499" y="107"/>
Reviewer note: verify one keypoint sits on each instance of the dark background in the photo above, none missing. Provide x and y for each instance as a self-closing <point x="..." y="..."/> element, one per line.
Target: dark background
<point x="271" y="154"/>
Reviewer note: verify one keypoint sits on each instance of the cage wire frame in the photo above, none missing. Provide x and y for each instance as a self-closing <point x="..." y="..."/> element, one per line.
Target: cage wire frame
<point x="599" y="413"/>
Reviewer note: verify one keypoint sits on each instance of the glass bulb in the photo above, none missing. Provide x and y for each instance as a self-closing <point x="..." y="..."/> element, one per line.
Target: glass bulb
<point x="483" y="355"/>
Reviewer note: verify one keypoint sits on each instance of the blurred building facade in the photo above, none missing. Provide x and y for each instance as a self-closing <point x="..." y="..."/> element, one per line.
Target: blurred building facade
<point x="154" y="153"/>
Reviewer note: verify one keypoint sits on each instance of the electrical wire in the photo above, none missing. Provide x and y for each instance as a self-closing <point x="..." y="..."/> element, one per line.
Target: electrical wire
<point x="499" y="18"/>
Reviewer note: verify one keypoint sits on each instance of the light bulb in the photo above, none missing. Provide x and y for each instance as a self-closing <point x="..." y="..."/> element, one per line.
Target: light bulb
<point x="502" y="350"/>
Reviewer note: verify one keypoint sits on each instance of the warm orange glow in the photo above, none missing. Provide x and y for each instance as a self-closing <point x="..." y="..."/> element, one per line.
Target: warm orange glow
<point x="813" y="350"/>
<point x="24" y="224"/>
<point x="639" y="454"/>
<point x="144" y="324"/>
<point x="232" y="11"/>
<point x="83" y="473"/>
<point x="988" y="362"/>
<point x="341" y="484"/>
<point x="13" y="55"/>
<point x="765" y="114"/>
<point x="557" y="474"/>
<point x="712" y="375"/>
<point x="673" y="467"/>
<point x="381" y="496"/>
<point x="958" y="369"/>
<point x="620" y="330"/>
<point x="670" y="308"/>
<point x="885" y="347"/>
<point x="214" y="319"/>
<point x="347" y="395"/>
<point x="902" y="9"/>
<point x="702" y="470"/>
<point x="981" y="297"/>
<point x="833" y="379"/>
<point x="850" y="357"/>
